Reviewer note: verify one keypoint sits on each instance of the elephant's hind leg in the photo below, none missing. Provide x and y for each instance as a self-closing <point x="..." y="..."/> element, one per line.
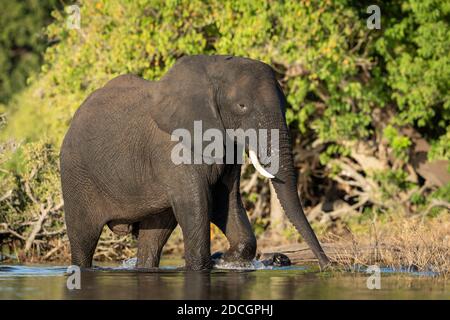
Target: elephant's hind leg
<point x="83" y="237"/>
<point x="83" y="212"/>
<point x="153" y="235"/>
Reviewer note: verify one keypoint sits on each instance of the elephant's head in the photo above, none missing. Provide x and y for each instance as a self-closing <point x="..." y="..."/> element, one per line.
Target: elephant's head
<point x="229" y="93"/>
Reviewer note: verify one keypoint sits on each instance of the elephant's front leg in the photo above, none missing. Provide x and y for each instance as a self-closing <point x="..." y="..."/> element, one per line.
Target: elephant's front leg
<point x="230" y="216"/>
<point x="191" y="206"/>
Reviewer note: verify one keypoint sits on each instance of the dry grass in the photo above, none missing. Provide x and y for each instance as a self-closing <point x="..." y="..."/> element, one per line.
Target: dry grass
<point x="412" y="243"/>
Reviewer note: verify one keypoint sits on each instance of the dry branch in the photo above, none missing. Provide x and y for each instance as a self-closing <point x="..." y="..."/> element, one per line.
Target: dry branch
<point x="44" y="211"/>
<point x="7" y="230"/>
<point x="6" y="196"/>
<point x="251" y="183"/>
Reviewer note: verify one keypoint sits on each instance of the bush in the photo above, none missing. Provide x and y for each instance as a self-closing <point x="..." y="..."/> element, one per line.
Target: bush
<point x="30" y="198"/>
<point x="21" y="42"/>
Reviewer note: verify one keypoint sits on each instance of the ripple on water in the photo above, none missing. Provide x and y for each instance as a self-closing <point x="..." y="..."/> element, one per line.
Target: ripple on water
<point x="402" y="270"/>
<point x="221" y="265"/>
<point x="253" y="265"/>
<point x="7" y="271"/>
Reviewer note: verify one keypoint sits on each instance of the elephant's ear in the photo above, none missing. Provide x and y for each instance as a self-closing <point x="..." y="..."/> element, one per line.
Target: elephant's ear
<point x="187" y="94"/>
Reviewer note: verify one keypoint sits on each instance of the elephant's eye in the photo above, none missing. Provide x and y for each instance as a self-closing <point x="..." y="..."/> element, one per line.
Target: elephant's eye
<point x="242" y="106"/>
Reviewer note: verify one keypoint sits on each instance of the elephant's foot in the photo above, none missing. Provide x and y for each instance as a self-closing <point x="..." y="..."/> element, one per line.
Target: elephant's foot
<point x="240" y="255"/>
<point x="198" y="264"/>
<point x="224" y="261"/>
<point x="147" y="260"/>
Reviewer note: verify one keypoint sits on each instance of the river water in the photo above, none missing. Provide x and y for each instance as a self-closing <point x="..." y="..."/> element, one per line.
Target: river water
<point x="121" y="282"/>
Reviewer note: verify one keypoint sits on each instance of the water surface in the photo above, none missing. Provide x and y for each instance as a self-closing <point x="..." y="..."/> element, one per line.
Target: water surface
<point x="118" y="282"/>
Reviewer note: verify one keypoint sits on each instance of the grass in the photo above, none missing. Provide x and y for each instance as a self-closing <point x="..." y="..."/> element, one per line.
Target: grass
<point x="414" y="243"/>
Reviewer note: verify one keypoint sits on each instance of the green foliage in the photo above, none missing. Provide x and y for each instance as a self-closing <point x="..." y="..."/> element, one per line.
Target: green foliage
<point x="440" y="148"/>
<point x="418" y="199"/>
<point x="28" y="179"/>
<point x="319" y="47"/>
<point x="323" y="49"/>
<point x="443" y="193"/>
<point x="416" y="50"/>
<point x="333" y="151"/>
<point x="21" y="42"/>
<point x="399" y="143"/>
<point x="392" y="182"/>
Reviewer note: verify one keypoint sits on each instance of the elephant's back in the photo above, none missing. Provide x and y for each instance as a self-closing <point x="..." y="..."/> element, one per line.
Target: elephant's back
<point x="109" y="111"/>
<point x="106" y="132"/>
<point x="127" y="81"/>
<point x="108" y="137"/>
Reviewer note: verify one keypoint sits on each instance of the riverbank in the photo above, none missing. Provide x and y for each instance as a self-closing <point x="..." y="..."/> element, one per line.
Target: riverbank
<point x="414" y="244"/>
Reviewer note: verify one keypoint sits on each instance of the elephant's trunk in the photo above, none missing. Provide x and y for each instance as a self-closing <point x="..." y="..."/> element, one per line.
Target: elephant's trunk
<point x="285" y="186"/>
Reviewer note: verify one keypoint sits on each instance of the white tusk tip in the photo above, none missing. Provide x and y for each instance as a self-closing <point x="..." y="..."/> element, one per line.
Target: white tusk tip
<point x="258" y="166"/>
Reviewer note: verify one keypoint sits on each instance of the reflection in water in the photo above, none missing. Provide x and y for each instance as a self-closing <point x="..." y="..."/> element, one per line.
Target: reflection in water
<point x="19" y="282"/>
<point x="163" y="284"/>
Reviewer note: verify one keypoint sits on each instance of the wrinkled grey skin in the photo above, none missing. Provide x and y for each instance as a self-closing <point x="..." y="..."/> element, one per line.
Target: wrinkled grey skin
<point x="116" y="167"/>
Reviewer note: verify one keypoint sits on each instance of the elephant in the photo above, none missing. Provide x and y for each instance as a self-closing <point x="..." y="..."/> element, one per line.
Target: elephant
<point x="117" y="167"/>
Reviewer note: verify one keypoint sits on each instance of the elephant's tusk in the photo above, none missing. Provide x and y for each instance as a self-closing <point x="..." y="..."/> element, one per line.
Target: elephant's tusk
<point x="258" y="166"/>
